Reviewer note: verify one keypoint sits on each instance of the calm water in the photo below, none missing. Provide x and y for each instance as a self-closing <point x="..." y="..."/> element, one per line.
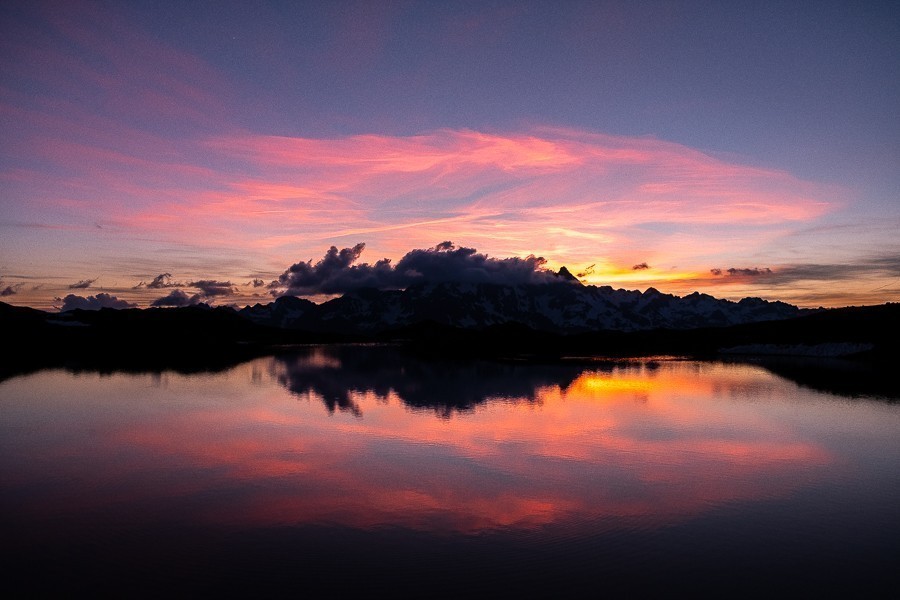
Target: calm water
<point x="359" y="469"/>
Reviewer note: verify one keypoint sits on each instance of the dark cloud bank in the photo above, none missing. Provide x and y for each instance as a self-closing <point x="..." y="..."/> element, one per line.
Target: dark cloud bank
<point x="337" y="273"/>
<point x="102" y="300"/>
<point x="210" y="288"/>
<point x="177" y="298"/>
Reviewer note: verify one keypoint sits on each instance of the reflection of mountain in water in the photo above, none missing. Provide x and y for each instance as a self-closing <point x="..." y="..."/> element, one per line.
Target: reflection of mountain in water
<point x="338" y="373"/>
<point x="850" y="379"/>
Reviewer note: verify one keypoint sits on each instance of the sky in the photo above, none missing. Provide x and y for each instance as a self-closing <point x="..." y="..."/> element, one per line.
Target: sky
<point x="209" y="148"/>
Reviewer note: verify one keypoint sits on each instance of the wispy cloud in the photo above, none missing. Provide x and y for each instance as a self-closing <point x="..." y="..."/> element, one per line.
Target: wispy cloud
<point x="887" y="265"/>
<point x="10" y="290"/>
<point x="151" y="78"/>
<point x="568" y="190"/>
<point x="868" y="279"/>
<point x="741" y="273"/>
<point x="83" y="284"/>
<point x="163" y="280"/>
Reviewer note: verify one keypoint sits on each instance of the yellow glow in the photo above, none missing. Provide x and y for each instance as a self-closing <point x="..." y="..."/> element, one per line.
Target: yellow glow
<point x="596" y="385"/>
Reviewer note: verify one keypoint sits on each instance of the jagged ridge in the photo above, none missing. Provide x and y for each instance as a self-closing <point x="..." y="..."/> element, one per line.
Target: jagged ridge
<point x="563" y="306"/>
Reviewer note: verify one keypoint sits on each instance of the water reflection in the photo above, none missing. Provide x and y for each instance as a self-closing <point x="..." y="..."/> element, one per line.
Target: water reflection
<point x="305" y="467"/>
<point x="516" y="446"/>
<point x="846" y="378"/>
<point x="337" y="375"/>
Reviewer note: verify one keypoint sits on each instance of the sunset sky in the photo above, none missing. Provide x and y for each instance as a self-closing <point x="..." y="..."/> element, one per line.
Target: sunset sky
<point x="738" y="149"/>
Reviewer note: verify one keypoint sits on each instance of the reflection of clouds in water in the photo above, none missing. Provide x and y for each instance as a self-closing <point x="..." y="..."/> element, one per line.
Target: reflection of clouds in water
<point x="338" y="375"/>
<point x="548" y="445"/>
<point x="613" y="443"/>
<point x="341" y="376"/>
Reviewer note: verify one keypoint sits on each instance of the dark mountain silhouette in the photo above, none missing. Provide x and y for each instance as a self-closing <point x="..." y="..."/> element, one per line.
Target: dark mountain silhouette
<point x="284" y="313"/>
<point x="193" y="338"/>
<point x="201" y="338"/>
<point x="561" y="319"/>
<point x="444" y="387"/>
<point x="561" y="306"/>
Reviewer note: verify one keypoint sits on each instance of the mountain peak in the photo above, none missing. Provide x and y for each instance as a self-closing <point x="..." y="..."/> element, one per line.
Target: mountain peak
<point x="566" y="275"/>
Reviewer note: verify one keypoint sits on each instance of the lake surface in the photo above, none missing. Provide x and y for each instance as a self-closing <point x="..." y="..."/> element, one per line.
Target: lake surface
<point x="362" y="469"/>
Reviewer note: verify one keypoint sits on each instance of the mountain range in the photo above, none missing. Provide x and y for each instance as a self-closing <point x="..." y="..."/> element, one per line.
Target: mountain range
<point x="558" y="320"/>
<point x="563" y="306"/>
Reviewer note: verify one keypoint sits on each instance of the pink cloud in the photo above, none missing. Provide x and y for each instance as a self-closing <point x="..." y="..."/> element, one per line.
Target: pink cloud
<point x="547" y="179"/>
<point x="135" y="73"/>
<point x="571" y="196"/>
<point x="477" y="186"/>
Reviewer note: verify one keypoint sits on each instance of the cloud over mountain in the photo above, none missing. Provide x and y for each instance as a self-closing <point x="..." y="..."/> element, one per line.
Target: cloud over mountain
<point x="337" y="273"/>
<point x="176" y="298"/>
<point x="210" y="288"/>
<point x="101" y="300"/>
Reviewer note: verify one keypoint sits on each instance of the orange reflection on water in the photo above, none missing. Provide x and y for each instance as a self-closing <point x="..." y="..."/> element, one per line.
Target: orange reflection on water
<point x="603" y="385"/>
<point x="654" y="442"/>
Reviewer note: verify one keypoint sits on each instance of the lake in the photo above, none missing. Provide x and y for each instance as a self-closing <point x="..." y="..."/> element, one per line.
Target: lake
<point x="363" y="469"/>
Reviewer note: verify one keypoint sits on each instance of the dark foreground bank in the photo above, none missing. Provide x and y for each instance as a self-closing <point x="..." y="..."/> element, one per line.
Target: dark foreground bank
<point x="204" y="338"/>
